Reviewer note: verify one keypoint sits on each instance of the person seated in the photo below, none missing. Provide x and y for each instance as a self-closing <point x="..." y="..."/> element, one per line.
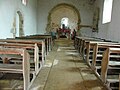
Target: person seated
<point x="73" y="34"/>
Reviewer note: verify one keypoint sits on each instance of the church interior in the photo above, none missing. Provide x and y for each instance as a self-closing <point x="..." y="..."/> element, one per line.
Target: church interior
<point x="59" y="45"/>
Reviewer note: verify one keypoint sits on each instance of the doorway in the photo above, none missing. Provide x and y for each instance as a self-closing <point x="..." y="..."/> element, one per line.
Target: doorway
<point x="19" y="24"/>
<point x="64" y="22"/>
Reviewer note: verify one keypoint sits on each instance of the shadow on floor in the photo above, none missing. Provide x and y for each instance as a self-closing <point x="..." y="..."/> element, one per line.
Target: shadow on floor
<point x="76" y="61"/>
<point x="86" y="85"/>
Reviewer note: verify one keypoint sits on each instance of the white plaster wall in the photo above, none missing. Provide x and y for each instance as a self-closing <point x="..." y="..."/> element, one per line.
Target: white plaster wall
<point x="8" y="9"/>
<point x="102" y="32"/>
<point x="114" y="26"/>
<point x="110" y="31"/>
<point x="85" y="9"/>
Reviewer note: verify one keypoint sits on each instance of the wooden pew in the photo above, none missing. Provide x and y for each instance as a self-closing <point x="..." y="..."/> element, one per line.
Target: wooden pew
<point x="81" y="42"/>
<point x="38" y="43"/>
<point x="84" y="44"/>
<point x="110" y="68"/>
<point x="48" y="40"/>
<point x="94" y="46"/>
<point x="23" y="68"/>
<point x="33" y="51"/>
<point x="97" y="50"/>
<point x="45" y="36"/>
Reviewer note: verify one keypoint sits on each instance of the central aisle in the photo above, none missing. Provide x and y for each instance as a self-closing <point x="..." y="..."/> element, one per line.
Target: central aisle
<point x="65" y="70"/>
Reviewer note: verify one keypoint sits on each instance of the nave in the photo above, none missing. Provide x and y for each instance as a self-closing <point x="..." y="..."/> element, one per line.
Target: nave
<point x="65" y="69"/>
<point x="30" y="59"/>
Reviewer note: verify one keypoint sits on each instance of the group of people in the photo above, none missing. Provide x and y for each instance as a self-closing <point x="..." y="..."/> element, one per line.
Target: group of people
<point x="63" y="33"/>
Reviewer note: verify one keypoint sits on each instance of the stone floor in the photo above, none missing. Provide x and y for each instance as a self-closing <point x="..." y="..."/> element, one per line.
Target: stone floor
<point x="65" y="69"/>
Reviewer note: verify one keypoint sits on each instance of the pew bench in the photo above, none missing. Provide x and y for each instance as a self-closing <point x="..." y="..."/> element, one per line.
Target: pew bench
<point x="110" y="68"/>
<point x="92" y="49"/>
<point x="32" y="49"/>
<point x="39" y="43"/>
<point x="23" y="68"/>
<point x="81" y="43"/>
<point x="47" y="38"/>
<point x="98" y="51"/>
<point x="37" y="54"/>
<point x="94" y="54"/>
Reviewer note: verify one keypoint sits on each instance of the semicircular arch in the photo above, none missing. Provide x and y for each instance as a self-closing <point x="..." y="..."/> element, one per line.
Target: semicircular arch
<point x="60" y="11"/>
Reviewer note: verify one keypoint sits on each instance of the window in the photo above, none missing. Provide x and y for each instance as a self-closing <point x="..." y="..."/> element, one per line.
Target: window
<point x="107" y="11"/>
<point x="64" y="22"/>
<point x="24" y="2"/>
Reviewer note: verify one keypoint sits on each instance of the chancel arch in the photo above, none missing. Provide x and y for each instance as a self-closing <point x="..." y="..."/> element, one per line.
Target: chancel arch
<point x="61" y="11"/>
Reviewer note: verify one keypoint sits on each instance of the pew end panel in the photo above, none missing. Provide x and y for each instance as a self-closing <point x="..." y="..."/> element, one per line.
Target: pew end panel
<point x="110" y="67"/>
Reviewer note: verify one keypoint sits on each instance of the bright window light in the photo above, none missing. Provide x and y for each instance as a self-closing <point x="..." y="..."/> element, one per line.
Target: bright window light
<point x="24" y="2"/>
<point x="107" y="11"/>
<point x="64" y="21"/>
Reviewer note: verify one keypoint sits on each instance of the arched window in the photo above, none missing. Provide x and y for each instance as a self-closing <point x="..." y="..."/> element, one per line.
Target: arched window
<point x="64" y="22"/>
